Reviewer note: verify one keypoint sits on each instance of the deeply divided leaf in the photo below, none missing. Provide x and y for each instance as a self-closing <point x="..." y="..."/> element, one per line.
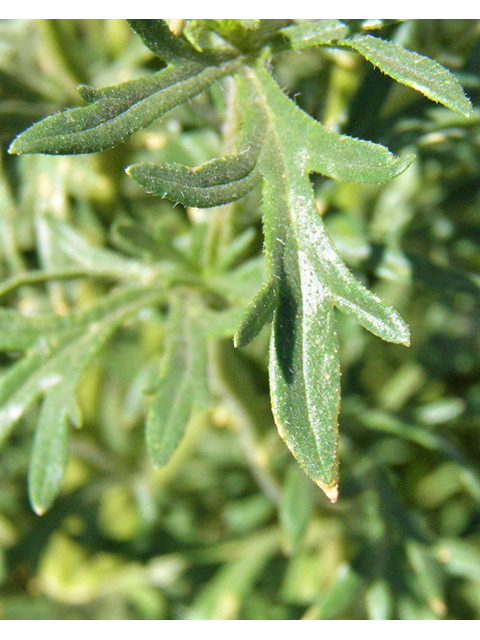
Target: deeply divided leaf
<point x="311" y="279"/>
<point x="278" y="146"/>
<point x="118" y="112"/>
<point x="53" y="367"/>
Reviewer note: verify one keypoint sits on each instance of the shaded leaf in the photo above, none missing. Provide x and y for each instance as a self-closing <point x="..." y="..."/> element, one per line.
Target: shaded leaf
<point x="217" y="182"/>
<point x="257" y="314"/>
<point x="52" y="358"/>
<point x="182" y="385"/>
<point x="296" y="506"/>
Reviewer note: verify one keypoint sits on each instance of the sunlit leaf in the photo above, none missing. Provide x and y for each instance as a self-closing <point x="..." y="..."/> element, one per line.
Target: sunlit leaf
<point x="416" y="71"/>
<point x="311" y="34"/>
<point x="117" y="112"/>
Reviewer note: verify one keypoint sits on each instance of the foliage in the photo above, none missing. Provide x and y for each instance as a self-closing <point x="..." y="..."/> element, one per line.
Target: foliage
<point x="133" y="329"/>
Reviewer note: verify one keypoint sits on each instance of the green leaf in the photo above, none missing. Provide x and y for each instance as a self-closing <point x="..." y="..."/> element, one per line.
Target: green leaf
<point x="296" y="506"/>
<point x="320" y="150"/>
<point x="223" y="595"/>
<point x="222" y="324"/>
<point x="118" y="112"/>
<point x="18" y="332"/>
<point x="379" y="600"/>
<point x="60" y="353"/>
<point x="429" y="575"/>
<point x="50" y="453"/>
<point x="219" y="181"/>
<point x="157" y="36"/>
<point x="416" y="71"/>
<point x="347" y="588"/>
<point x="214" y="183"/>
<point x="311" y="34"/>
<point x="257" y="314"/>
<point x="310" y="276"/>
<point x="182" y="385"/>
<point x="305" y="371"/>
<point x="50" y="449"/>
<point x="94" y="259"/>
<point x="349" y="295"/>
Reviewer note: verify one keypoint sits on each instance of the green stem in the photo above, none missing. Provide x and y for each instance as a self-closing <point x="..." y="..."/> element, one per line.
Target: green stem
<point x="34" y="277"/>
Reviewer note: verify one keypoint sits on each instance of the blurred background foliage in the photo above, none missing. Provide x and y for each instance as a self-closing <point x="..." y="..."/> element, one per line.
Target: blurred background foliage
<point x="231" y="528"/>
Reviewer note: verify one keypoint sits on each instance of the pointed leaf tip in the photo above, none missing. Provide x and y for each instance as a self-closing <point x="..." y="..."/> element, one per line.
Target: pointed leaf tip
<point x="330" y="490"/>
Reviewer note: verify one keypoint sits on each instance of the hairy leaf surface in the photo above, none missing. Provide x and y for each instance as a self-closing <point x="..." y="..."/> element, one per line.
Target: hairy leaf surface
<point x="310" y="276"/>
<point x="416" y="71"/>
<point x="214" y="183"/>
<point x="311" y="34"/>
<point x="157" y="36"/>
<point x="118" y="112"/>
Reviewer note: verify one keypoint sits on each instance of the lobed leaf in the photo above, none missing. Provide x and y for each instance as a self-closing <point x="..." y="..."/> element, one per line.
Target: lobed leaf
<point x="320" y="150"/>
<point x="416" y="71"/>
<point x="311" y="278"/>
<point x="57" y="356"/>
<point x="118" y="112"/>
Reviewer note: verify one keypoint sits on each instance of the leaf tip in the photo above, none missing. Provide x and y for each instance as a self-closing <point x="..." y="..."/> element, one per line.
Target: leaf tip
<point x="402" y="335"/>
<point x="13" y="148"/>
<point x="39" y="510"/>
<point x="399" y="331"/>
<point x="468" y="108"/>
<point x="330" y="490"/>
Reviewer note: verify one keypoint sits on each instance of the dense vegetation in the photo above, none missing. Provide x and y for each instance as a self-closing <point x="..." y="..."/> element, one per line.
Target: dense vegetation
<point x="119" y="311"/>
